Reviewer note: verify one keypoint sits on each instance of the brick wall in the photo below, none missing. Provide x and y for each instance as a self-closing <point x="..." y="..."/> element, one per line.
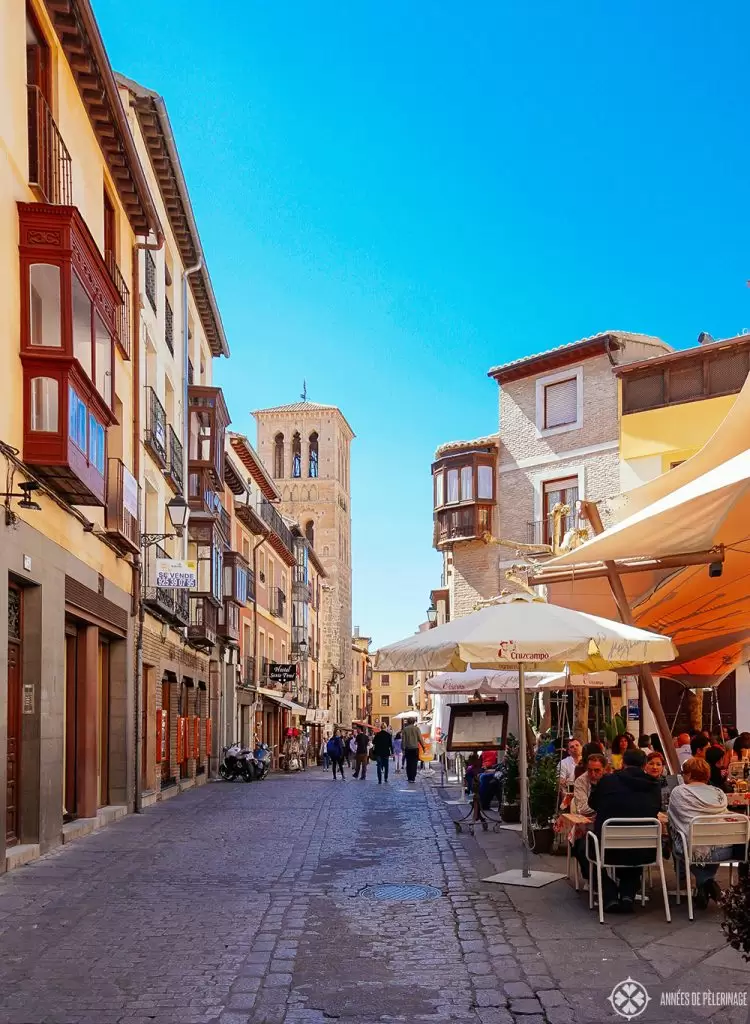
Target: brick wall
<point x="475" y="576"/>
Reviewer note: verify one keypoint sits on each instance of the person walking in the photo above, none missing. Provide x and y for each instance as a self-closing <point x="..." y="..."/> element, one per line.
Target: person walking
<point x="362" y="745"/>
<point x="335" y="750"/>
<point x="398" y="756"/>
<point x="412" y="743"/>
<point x="325" y="757"/>
<point x="382" y="746"/>
<point x="352" y="748"/>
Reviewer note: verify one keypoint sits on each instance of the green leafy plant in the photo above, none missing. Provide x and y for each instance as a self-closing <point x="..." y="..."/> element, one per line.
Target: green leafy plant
<point x="543" y="791"/>
<point x="617" y="725"/>
<point x="510" y="771"/>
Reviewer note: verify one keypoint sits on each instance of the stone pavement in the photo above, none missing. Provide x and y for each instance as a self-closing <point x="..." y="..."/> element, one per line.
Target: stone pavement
<point x="245" y="904"/>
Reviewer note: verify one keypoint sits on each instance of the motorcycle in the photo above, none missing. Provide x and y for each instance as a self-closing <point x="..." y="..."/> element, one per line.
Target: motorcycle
<point x="238" y="764"/>
<point x="262" y="756"/>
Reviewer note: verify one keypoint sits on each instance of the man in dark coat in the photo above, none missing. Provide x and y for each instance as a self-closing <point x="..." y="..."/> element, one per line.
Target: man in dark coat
<point x="363" y="745"/>
<point x="629" y="793"/>
<point x="382" y="745"/>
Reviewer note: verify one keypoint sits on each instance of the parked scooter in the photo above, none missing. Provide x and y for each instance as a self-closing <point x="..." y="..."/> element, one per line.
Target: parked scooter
<point x="262" y="756"/>
<point x="238" y="764"/>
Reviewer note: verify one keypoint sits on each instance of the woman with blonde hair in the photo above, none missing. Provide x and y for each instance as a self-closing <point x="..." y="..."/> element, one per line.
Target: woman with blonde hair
<point x="697" y="798"/>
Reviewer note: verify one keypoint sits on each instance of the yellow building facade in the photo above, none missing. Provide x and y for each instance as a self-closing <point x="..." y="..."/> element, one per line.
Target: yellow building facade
<point x="669" y="407"/>
<point x="393" y="693"/>
<point x="74" y="203"/>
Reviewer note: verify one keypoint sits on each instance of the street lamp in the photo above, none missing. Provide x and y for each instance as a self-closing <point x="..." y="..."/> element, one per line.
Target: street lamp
<point x="179" y="513"/>
<point x="432" y="615"/>
<point x="302" y="647"/>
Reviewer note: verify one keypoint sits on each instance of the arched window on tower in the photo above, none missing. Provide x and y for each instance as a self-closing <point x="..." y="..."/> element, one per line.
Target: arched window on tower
<point x="310" y="532"/>
<point x="278" y="457"/>
<point x="313" y="467"/>
<point x="296" y="454"/>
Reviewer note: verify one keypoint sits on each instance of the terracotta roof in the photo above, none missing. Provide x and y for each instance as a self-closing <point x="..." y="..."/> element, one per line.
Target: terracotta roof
<point x="465" y="446"/>
<point x="311" y="407"/>
<point x="252" y="463"/>
<point x="165" y="160"/>
<point x="584" y="347"/>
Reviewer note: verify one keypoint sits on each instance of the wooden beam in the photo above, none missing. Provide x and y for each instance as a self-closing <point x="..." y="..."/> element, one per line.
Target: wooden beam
<point x="591" y="513"/>
<point x="598" y="570"/>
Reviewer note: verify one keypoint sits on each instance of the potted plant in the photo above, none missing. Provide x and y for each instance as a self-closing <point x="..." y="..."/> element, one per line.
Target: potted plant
<point x="543" y="793"/>
<point x="511" y="809"/>
<point x="617" y="725"/>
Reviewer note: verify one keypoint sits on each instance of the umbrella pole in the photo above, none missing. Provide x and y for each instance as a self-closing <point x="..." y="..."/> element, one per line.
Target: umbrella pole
<point x="523" y="775"/>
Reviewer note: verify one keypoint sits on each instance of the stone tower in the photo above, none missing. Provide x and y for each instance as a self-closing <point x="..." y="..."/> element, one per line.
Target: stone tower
<point x="306" y="446"/>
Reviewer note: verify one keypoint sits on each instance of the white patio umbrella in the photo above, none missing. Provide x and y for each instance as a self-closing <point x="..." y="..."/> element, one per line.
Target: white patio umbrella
<point x="488" y="683"/>
<point x="526" y="633"/>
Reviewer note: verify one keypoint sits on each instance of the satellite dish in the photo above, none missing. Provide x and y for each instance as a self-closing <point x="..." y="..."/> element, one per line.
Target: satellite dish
<point x="704" y="338"/>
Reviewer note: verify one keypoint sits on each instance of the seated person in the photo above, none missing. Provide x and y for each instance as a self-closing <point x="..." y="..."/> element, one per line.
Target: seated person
<point x="698" y="798"/>
<point x="567" y="770"/>
<point x="490" y="788"/>
<point x="473" y="768"/>
<point x="629" y="793"/>
<point x="596" y="766"/>
<point x="699" y="744"/>
<point x="716" y="759"/>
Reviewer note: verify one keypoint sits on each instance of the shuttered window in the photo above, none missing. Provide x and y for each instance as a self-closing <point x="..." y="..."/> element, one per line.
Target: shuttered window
<point x="561" y="403"/>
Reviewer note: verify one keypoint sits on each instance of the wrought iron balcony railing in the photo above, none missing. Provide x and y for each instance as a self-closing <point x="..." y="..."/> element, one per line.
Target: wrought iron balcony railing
<point x="50" y="165"/>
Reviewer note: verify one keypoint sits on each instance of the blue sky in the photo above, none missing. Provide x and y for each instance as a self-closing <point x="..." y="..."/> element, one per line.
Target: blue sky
<point x="394" y="196"/>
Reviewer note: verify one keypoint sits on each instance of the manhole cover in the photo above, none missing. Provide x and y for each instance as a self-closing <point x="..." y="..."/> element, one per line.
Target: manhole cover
<point x="401" y="892"/>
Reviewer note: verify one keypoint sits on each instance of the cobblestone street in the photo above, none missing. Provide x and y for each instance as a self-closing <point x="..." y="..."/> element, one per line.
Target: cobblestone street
<point x="243" y="904"/>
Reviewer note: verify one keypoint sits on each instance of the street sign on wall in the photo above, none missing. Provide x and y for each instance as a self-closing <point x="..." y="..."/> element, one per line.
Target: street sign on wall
<point x="176" y="574"/>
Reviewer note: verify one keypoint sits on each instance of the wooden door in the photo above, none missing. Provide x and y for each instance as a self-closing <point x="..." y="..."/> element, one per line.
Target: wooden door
<point x="14" y="715"/>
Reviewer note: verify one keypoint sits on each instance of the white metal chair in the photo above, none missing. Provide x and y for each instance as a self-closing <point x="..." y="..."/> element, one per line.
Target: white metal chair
<point x="709" y="830"/>
<point x="619" y="834"/>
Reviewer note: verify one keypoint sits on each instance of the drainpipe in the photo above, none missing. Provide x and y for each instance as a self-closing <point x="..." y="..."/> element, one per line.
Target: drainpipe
<point x="185" y="361"/>
<point x="138" y="559"/>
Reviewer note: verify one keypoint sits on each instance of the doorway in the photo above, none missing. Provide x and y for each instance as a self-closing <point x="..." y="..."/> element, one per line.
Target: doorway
<point x="166" y="730"/>
<point x="70" y="746"/>
<point x="15" y="626"/>
<point x="103" y="726"/>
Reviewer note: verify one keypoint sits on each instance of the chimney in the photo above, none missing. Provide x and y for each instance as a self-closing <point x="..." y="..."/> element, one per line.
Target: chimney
<point x="356" y="632"/>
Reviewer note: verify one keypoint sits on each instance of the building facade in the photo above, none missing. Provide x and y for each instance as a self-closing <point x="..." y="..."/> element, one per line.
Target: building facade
<point x="393" y="693"/>
<point x="306" y="448"/>
<point x="670" y="406"/>
<point x="74" y="206"/>
<point x="362" y="675"/>
<point x="558" y="442"/>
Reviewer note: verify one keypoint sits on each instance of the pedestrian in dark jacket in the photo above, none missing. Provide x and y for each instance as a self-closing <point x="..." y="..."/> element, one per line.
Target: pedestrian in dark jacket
<point x="335" y="748"/>
<point x="382" y="746"/>
<point x="629" y="793"/>
<point x="363" y="745"/>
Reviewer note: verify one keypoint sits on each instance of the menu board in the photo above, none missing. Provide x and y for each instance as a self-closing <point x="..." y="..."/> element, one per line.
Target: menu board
<point x="478" y="726"/>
